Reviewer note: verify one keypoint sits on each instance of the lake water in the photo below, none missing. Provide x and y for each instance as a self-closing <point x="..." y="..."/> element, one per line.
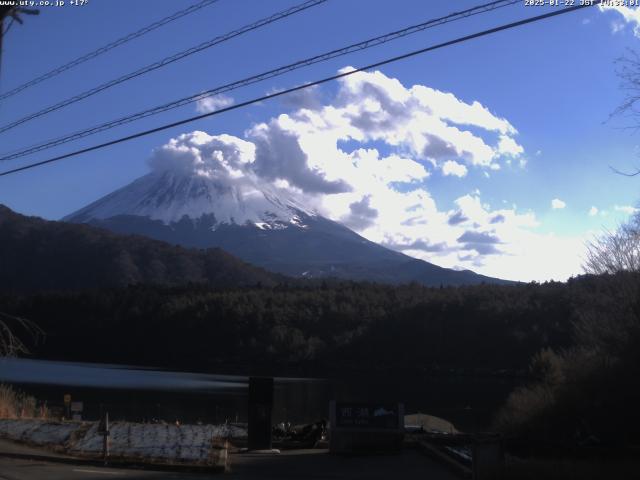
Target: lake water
<point x="144" y="394"/>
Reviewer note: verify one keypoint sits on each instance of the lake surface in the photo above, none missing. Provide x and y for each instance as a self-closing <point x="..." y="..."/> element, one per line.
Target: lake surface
<point x="145" y="394"/>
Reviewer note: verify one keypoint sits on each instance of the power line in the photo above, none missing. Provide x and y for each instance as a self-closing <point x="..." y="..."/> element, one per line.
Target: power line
<point x="301" y="87"/>
<point x="372" y="42"/>
<point x="166" y="61"/>
<point x="110" y="46"/>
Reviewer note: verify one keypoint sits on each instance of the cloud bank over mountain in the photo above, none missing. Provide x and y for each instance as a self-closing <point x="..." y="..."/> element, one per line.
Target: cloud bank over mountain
<point x="366" y="158"/>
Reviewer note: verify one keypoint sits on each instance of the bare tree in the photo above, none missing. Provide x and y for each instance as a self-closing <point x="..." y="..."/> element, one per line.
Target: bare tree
<point x="617" y="251"/>
<point x="11" y="343"/>
<point x="629" y="74"/>
<point x="628" y="71"/>
<point x="607" y="324"/>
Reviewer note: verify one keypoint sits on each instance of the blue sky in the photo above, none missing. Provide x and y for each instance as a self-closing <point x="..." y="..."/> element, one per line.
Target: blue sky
<point x="554" y="82"/>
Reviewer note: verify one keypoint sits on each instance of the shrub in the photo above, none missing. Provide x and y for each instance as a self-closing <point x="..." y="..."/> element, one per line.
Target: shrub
<point x="16" y="404"/>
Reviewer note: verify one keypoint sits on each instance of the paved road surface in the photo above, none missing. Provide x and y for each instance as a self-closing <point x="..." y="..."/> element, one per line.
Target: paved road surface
<point x="320" y="465"/>
<point x="30" y="470"/>
<point x="298" y="464"/>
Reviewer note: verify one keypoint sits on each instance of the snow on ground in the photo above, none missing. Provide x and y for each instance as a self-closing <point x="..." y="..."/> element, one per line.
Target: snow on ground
<point x="157" y="441"/>
<point x="166" y="442"/>
<point x="38" y="432"/>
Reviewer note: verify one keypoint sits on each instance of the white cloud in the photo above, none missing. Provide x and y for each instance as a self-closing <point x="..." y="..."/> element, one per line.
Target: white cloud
<point x="629" y="15"/>
<point x="508" y="146"/>
<point x="428" y="122"/>
<point x="211" y="104"/>
<point x="223" y="156"/>
<point x="617" y="27"/>
<point x="593" y="211"/>
<point x="628" y="209"/>
<point x="542" y="257"/>
<point x="281" y="156"/>
<point x="557" y="204"/>
<point x="459" y="112"/>
<point x="451" y="167"/>
<point x="496" y="242"/>
<point x="365" y="158"/>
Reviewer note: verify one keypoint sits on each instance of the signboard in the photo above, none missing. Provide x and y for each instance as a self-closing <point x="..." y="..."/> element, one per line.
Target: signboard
<point x="375" y="416"/>
<point x="366" y="427"/>
<point x="67" y="398"/>
<point x="76" y="411"/>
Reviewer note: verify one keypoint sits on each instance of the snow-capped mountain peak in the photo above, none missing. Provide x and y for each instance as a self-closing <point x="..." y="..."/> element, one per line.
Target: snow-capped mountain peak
<point x="170" y="196"/>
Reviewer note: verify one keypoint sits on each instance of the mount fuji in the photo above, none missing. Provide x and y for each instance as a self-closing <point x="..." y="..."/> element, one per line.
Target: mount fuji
<point x="261" y="225"/>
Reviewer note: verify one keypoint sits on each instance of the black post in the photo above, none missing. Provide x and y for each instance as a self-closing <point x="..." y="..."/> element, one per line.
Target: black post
<point x="103" y="428"/>
<point x="260" y="408"/>
<point x="67" y="406"/>
<point x="2" y="15"/>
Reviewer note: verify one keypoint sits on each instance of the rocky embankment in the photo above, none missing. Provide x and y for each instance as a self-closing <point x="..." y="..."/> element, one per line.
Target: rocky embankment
<point x="155" y="442"/>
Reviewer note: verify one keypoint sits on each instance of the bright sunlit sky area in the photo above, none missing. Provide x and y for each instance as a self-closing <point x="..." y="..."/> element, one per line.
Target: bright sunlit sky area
<point x="492" y="155"/>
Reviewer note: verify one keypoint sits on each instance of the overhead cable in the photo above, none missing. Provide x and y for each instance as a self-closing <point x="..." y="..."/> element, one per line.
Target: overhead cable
<point x="554" y="13"/>
<point x="366" y="44"/>
<point x="164" y="62"/>
<point x="104" y="49"/>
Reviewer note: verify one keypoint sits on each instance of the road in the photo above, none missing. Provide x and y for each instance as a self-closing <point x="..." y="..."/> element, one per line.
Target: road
<point x="293" y="464"/>
<point x="34" y="470"/>
<point x="320" y="465"/>
<point x="315" y="466"/>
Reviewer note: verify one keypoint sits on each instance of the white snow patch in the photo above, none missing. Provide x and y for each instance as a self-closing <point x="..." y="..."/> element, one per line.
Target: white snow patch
<point x="132" y="440"/>
<point x="171" y="196"/>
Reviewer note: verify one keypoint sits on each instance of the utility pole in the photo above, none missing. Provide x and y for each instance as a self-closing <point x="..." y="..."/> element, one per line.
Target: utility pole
<point x="4" y="11"/>
<point x="14" y="13"/>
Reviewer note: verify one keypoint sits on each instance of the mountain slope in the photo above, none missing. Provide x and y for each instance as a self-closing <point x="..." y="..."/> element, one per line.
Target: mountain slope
<point x="259" y="224"/>
<point x="39" y="254"/>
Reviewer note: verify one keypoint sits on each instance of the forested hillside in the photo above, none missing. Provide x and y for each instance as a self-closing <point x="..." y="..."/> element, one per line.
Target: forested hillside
<point x="574" y="343"/>
<point x="324" y="329"/>
<point x="40" y="255"/>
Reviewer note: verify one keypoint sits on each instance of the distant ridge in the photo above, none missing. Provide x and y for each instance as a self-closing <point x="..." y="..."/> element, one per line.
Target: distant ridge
<point x="36" y="254"/>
